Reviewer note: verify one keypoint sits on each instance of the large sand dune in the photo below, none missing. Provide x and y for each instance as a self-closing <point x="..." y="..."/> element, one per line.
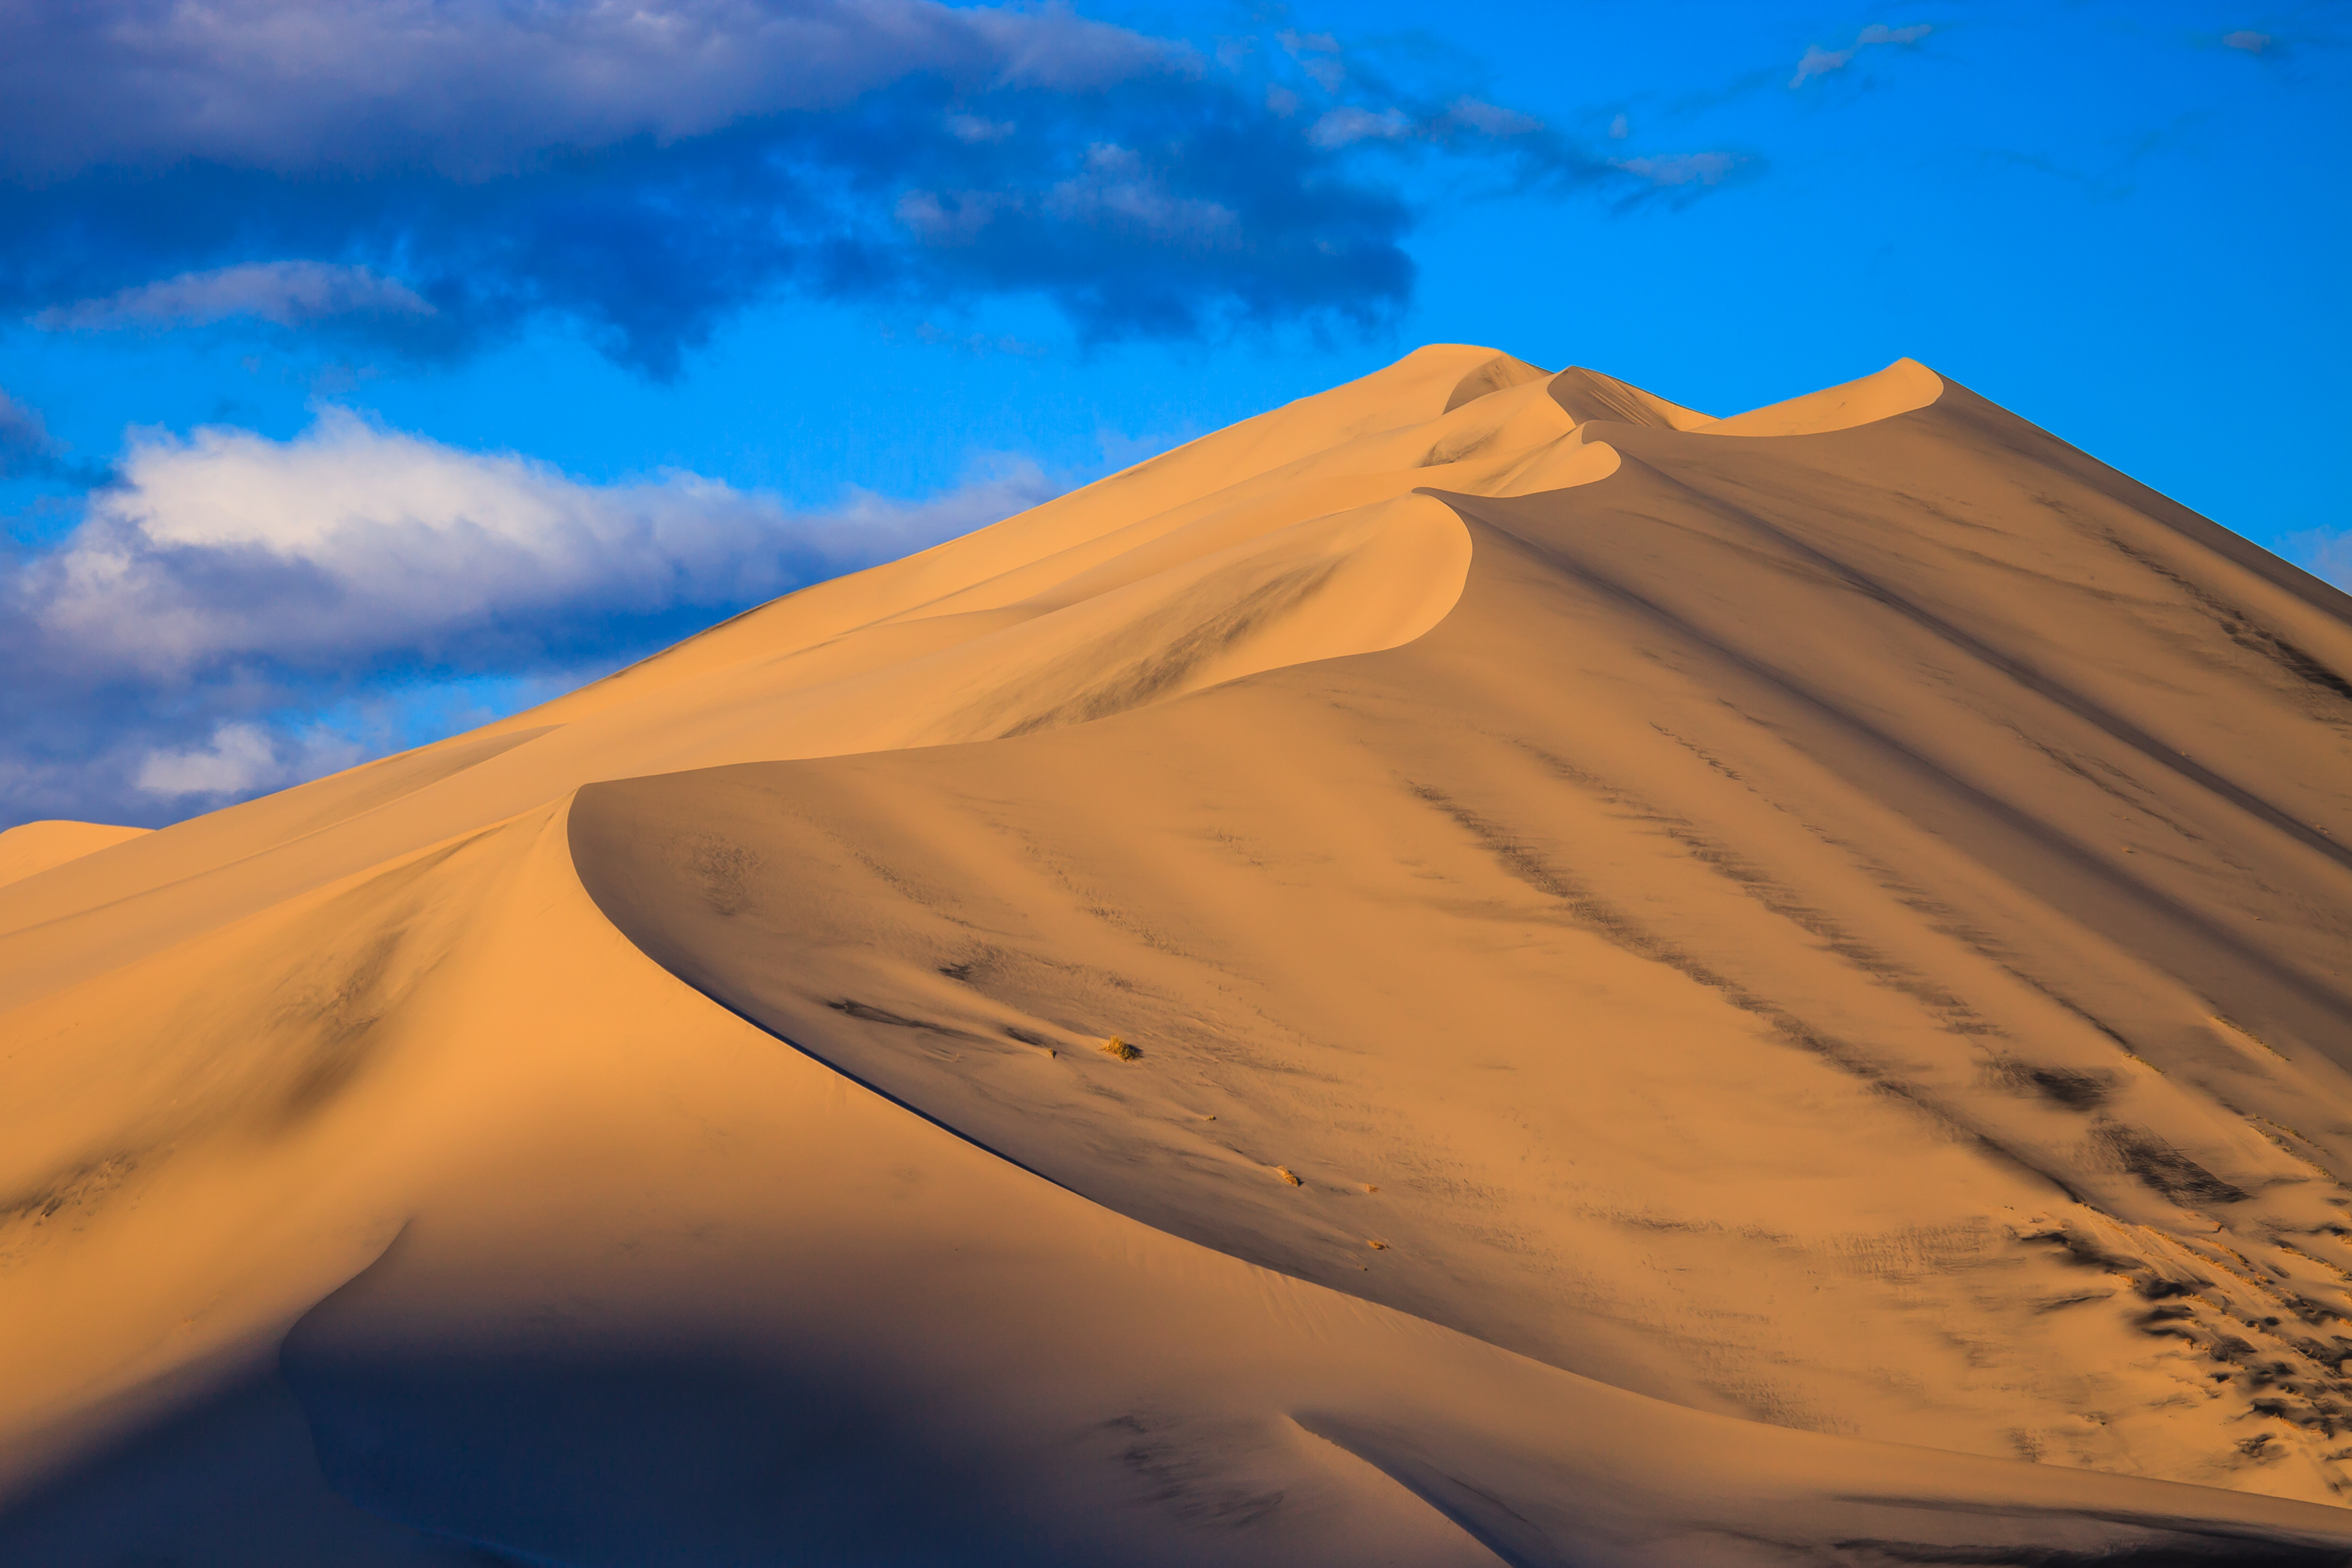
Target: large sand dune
<point x="1736" y="992"/>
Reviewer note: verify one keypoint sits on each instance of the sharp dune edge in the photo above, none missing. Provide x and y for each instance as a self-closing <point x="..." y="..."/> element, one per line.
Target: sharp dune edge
<point x="1743" y="991"/>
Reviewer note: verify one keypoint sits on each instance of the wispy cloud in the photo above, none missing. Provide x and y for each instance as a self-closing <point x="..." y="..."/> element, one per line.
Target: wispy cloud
<point x="1681" y="169"/>
<point x="285" y="292"/>
<point x="1491" y="119"/>
<point x="1817" y="61"/>
<point x="1116" y="190"/>
<point x="2252" y="42"/>
<point x="1341" y="125"/>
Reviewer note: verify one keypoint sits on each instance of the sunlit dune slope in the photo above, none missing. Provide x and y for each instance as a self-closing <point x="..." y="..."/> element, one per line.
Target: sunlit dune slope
<point x="1693" y="991"/>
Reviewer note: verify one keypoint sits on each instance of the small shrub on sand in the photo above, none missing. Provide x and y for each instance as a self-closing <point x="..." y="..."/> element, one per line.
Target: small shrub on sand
<point x="1286" y="1174"/>
<point x="1119" y="1050"/>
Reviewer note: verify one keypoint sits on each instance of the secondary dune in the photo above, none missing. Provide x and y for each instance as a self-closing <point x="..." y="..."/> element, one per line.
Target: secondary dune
<point x="1692" y="991"/>
<point x="34" y="847"/>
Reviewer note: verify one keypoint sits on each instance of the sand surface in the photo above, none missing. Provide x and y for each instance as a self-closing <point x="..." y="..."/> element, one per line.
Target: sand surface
<point x="1693" y="991"/>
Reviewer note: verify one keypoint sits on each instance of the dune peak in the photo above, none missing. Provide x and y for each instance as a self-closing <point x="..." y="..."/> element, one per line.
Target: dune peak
<point x="1502" y="370"/>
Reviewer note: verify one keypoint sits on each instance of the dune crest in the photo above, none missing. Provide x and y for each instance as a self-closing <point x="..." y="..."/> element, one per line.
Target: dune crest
<point x="1901" y="387"/>
<point x="34" y="847"/>
<point x="1686" y="1001"/>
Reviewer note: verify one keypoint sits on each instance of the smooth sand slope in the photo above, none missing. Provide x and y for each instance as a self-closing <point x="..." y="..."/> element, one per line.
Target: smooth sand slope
<point x="1696" y="991"/>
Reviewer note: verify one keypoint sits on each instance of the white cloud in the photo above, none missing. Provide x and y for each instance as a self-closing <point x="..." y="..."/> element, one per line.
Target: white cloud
<point x="1680" y="169"/>
<point x="1819" y="61"/>
<point x="285" y="292"/>
<point x="353" y="542"/>
<point x="1620" y="129"/>
<point x="241" y="758"/>
<point x="244" y="758"/>
<point x="1341" y="127"/>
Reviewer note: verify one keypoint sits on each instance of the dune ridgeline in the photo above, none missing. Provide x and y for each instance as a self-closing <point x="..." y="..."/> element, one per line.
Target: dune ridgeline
<point x="1478" y="969"/>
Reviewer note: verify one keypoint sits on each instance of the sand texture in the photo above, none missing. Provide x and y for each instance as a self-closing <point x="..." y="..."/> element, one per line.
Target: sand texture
<point x="1482" y="968"/>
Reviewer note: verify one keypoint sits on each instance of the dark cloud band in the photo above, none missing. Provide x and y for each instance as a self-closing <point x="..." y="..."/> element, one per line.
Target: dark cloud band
<point x="636" y="173"/>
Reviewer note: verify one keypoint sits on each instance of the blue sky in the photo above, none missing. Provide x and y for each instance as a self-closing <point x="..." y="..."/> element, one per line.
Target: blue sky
<point x="372" y="368"/>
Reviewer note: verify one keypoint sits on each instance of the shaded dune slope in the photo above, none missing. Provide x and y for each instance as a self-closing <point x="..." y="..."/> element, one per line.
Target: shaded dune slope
<point x="1623" y="1078"/>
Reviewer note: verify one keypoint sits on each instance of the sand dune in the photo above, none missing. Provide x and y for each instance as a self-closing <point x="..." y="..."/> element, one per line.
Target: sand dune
<point x="1695" y="991"/>
<point x="34" y="847"/>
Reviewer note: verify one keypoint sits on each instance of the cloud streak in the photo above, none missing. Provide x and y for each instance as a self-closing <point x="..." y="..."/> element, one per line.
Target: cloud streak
<point x="1817" y="61"/>
<point x="1681" y="169"/>
<point x="287" y="293"/>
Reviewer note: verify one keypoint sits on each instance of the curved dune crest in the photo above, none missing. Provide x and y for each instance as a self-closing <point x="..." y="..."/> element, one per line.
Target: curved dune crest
<point x="1501" y="371"/>
<point x="1589" y="395"/>
<point x="1664" y="1022"/>
<point x="34" y="847"/>
<point x="1901" y="387"/>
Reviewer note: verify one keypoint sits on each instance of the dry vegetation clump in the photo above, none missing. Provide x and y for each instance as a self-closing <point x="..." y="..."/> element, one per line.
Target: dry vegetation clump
<point x="1286" y="1174"/>
<point x="1119" y="1050"/>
